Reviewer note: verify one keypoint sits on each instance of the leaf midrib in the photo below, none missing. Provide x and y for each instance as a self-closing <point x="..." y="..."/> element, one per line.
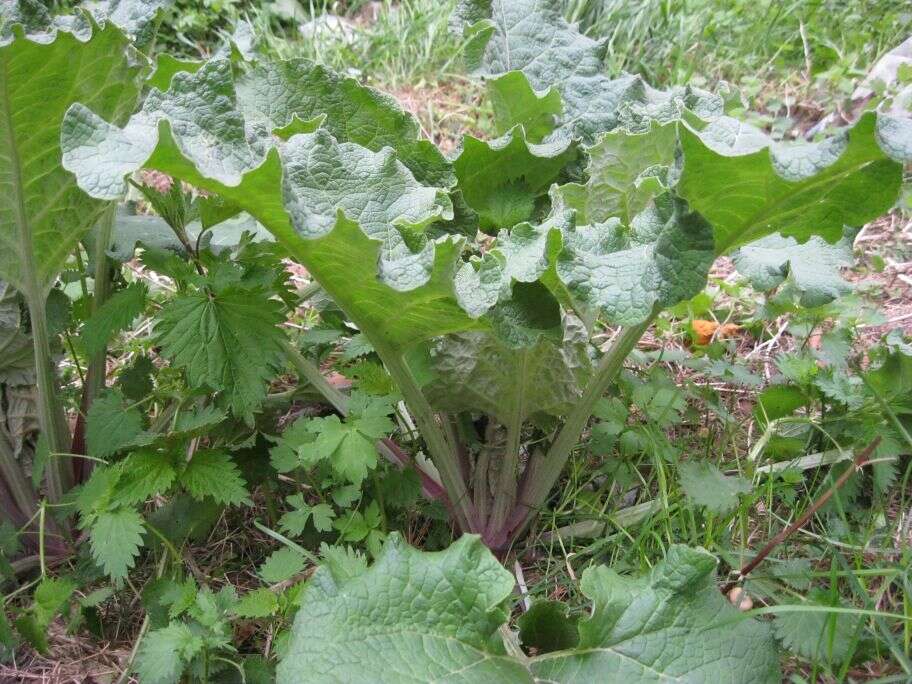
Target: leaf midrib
<point x="29" y="280"/>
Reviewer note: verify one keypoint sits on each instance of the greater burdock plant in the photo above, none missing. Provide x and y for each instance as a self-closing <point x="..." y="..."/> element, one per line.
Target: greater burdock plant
<point x="608" y="202"/>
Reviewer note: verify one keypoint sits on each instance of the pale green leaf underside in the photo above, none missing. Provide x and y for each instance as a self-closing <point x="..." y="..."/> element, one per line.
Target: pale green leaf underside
<point x="43" y="213"/>
<point x="134" y="17"/>
<point x="274" y="94"/>
<point x="624" y="174"/>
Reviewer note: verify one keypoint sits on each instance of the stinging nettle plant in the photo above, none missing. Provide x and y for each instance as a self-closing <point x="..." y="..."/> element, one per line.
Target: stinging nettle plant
<point x="608" y="202"/>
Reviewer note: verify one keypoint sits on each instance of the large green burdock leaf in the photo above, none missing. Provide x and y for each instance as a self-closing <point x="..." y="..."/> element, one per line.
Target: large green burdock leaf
<point x="477" y="372"/>
<point x="43" y="214"/>
<point x="501" y="179"/>
<point x="812" y="268"/>
<point x="323" y="178"/>
<point x="749" y="187"/>
<point x="419" y="617"/>
<point x="516" y="103"/>
<point x="353" y="217"/>
<point x="17" y="360"/>
<point x="662" y="259"/>
<point x="358" y="217"/>
<point x="411" y="617"/>
<point x="742" y="187"/>
<point x="532" y="36"/>
<point x="670" y="626"/>
<point x="277" y="93"/>
<point x="626" y="171"/>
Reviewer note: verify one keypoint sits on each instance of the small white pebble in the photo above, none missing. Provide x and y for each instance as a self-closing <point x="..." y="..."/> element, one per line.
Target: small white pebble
<point x="740" y="600"/>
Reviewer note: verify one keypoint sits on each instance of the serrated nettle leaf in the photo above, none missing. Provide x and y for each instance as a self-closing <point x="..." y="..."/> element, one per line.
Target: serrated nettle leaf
<point x="115" y="315"/>
<point x="812" y="268"/>
<point x="501" y="179"/>
<point x="165" y="652"/>
<point x="51" y="597"/>
<point x="144" y="473"/>
<point x="213" y="474"/>
<point x="777" y="401"/>
<point x="281" y="565"/>
<point x="817" y="635"/>
<point x="197" y="422"/>
<point x="45" y="214"/>
<point x="749" y="187"/>
<point x="228" y="341"/>
<point x="708" y="486"/>
<point x="258" y="603"/>
<point x="116" y="537"/>
<point x="342" y="562"/>
<point x="111" y="425"/>
<point x="418" y="616"/>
